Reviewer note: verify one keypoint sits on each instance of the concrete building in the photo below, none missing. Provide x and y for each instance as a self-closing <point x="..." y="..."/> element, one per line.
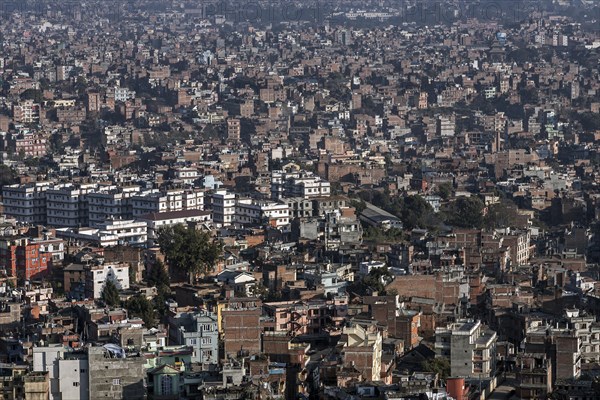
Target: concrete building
<point x="233" y="129"/>
<point x="97" y="275"/>
<point x="171" y="200"/>
<point x="115" y="377"/>
<point x="110" y="233"/>
<point x="26" y="112"/>
<point x="129" y="232"/>
<point x="470" y="346"/>
<point x="26" y="203"/>
<point x="24" y="258"/>
<point x="362" y="349"/>
<point x="240" y="325"/>
<point x="67" y="205"/>
<point x="111" y="202"/>
<point x="198" y="330"/>
<point x="254" y="212"/>
<point x="67" y="371"/>
<point x="298" y="184"/>
<point x="299" y="207"/>
<point x="223" y="208"/>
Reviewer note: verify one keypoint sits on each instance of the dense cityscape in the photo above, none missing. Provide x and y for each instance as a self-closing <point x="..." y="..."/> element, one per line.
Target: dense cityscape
<point x="307" y="200"/>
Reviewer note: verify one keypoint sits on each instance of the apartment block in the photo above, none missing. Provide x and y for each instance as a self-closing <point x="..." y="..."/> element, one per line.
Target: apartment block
<point x="26" y="203"/>
<point x="469" y="345"/>
<point x="67" y="205"/>
<point x="259" y="212"/>
<point x="111" y="202"/>
<point x="223" y="207"/>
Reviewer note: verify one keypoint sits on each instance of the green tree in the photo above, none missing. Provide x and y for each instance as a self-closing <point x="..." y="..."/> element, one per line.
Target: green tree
<point x="110" y="294"/>
<point x="159" y="277"/>
<point x="7" y="175"/>
<point x="188" y="250"/>
<point x="501" y="215"/>
<point x="140" y="306"/>
<point x="378" y="278"/>
<point x="438" y="365"/>
<point x="414" y="212"/>
<point x="444" y="190"/>
<point x="465" y="212"/>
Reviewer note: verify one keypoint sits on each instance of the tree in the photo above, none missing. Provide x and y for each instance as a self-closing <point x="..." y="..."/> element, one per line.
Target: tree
<point x="444" y="190"/>
<point x="438" y="365"/>
<point x="414" y="212"/>
<point x="188" y="250"/>
<point x="465" y="212"/>
<point x="501" y="215"/>
<point x="140" y="306"/>
<point x="7" y="175"/>
<point x="378" y="278"/>
<point x="110" y="294"/>
<point x="159" y="277"/>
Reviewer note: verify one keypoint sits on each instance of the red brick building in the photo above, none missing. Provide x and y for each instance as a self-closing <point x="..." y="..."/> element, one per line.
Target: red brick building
<point x="24" y="259"/>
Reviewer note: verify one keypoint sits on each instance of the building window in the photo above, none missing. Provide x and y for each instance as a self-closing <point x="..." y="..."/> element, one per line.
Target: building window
<point x="166" y="385"/>
<point x="76" y="384"/>
<point x="116" y="381"/>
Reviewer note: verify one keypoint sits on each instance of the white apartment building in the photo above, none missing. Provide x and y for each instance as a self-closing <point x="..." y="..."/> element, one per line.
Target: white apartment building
<point x="223" y="208"/>
<point x="67" y="205"/>
<point x="96" y="277"/>
<point x="172" y="200"/>
<point x="185" y="175"/>
<point x="110" y="202"/>
<point x="253" y="212"/>
<point x="52" y="246"/>
<point x="129" y="232"/>
<point x="110" y="233"/>
<point x="67" y="371"/>
<point x="123" y="94"/>
<point x="26" y="203"/>
<point x="298" y="184"/>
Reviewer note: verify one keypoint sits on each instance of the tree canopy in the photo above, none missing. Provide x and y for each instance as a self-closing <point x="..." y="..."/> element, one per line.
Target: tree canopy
<point x="159" y="277"/>
<point x="7" y="175"/>
<point x="188" y="250"/>
<point x="465" y="212"/>
<point x="110" y="294"/>
<point x="438" y="365"/>
<point x="140" y="306"/>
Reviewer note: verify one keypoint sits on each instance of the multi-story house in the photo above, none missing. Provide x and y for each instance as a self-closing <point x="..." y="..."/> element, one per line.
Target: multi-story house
<point x="240" y="325"/>
<point x="26" y="112"/>
<point x="223" y="208"/>
<point x="157" y="220"/>
<point x="198" y="330"/>
<point x="252" y="212"/>
<point x="299" y="207"/>
<point x="308" y="317"/>
<point x="470" y="347"/>
<point x="30" y="144"/>
<point x="362" y="349"/>
<point x="298" y="184"/>
<point x="129" y="232"/>
<point x="24" y="258"/>
<point x="96" y="277"/>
